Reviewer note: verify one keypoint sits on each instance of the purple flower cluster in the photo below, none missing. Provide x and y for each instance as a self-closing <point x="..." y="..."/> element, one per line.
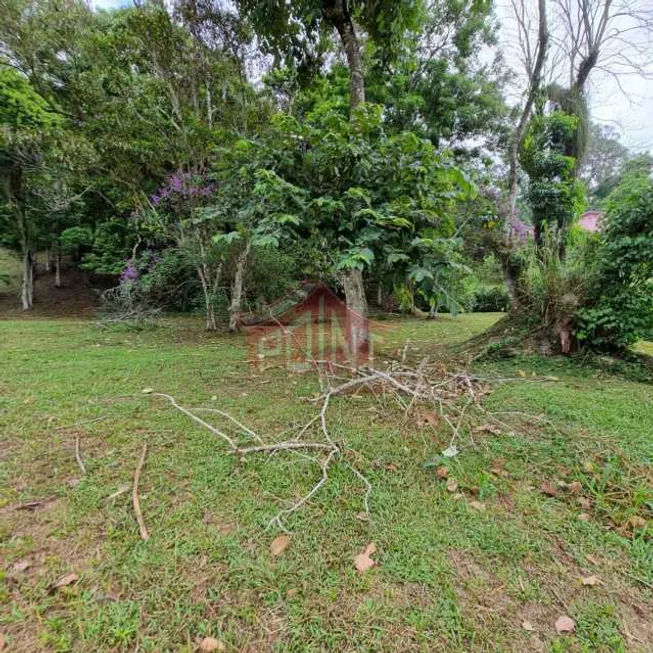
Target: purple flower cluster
<point x="183" y="185"/>
<point x="129" y="273"/>
<point x="521" y="231"/>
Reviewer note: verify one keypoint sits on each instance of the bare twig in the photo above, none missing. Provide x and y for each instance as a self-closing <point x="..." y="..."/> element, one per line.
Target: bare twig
<point x="86" y="421"/>
<point x="137" y="504"/>
<point x="78" y="456"/>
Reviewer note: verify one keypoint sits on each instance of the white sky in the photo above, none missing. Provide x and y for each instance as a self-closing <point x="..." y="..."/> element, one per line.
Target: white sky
<point x="631" y="114"/>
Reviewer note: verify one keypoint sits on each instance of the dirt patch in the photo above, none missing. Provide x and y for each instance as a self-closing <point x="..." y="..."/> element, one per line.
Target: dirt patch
<point x="77" y="298"/>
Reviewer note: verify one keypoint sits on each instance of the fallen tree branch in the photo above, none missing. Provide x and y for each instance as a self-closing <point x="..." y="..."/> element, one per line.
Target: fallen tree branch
<point x="137" y="504"/>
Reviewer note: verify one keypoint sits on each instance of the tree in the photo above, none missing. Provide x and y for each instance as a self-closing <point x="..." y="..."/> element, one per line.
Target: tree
<point x="28" y="126"/>
<point x="604" y="159"/>
<point x="296" y="32"/>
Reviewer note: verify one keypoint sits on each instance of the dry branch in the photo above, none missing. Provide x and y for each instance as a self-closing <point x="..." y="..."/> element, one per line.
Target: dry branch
<point x="78" y="456"/>
<point x="137" y="504"/>
<point x="451" y="395"/>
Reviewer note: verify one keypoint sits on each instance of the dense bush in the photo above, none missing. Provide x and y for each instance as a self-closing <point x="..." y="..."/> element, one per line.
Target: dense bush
<point x="490" y="299"/>
<point x="619" y="310"/>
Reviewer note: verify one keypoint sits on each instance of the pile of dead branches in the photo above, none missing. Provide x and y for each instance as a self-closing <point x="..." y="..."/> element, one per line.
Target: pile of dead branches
<point x="445" y="400"/>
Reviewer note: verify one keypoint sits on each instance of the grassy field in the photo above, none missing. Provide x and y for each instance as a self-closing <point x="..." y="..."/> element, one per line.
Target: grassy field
<point x="449" y="577"/>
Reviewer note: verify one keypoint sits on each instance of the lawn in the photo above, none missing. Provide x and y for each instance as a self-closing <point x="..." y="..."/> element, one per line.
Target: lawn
<point x="450" y="577"/>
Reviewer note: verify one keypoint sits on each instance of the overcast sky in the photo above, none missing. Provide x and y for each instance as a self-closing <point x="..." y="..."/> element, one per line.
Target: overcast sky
<point x="631" y="114"/>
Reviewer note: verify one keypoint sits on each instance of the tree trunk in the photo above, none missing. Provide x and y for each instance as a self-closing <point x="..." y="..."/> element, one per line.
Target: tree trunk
<point x="27" y="288"/>
<point x="337" y="14"/>
<point x="16" y="192"/>
<point x="57" y="269"/>
<point x="209" y="288"/>
<point x="235" y="308"/>
<point x="358" y="336"/>
<point x="517" y="137"/>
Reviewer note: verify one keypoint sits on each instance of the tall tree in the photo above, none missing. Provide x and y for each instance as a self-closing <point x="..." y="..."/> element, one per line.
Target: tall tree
<point x="296" y="33"/>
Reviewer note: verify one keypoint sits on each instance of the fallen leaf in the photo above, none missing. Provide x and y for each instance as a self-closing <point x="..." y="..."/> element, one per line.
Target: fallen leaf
<point x="214" y="398"/>
<point x="442" y="472"/>
<point x="363" y="561"/>
<point x="588" y="466"/>
<point x="487" y="428"/>
<point x="452" y="485"/>
<point x="64" y="581"/>
<point x="363" y="516"/>
<point x="547" y="488"/>
<point x="148" y="391"/>
<point x="637" y="522"/>
<point x="521" y="373"/>
<point x="458" y="496"/>
<point x="450" y="452"/>
<point x="590" y="558"/>
<point x="391" y="467"/>
<point x="575" y="487"/>
<point x="497" y="471"/>
<point x="279" y="544"/>
<point x="22" y="565"/>
<point x="291" y="592"/>
<point x="564" y="624"/>
<point x="527" y="625"/>
<point x="584" y="517"/>
<point x="209" y="644"/>
<point x="477" y="505"/>
<point x="591" y="580"/>
<point x="73" y="482"/>
<point x="584" y="502"/>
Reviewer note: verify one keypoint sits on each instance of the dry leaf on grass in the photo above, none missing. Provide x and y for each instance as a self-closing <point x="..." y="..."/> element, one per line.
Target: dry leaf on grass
<point x="279" y="544"/>
<point x="22" y="565"/>
<point x="452" y="485"/>
<point x="209" y="644"/>
<point x="527" y="625"/>
<point x="547" y="488"/>
<point x="637" y="522"/>
<point x="64" y="581"/>
<point x="575" y="487"/>
<point x="291" y="592"/>
<point x="363" y="561"/>
<point x="442" y="472"/>
<point x="591" y="580"/>
<point x="564" y="624"/>
<point x="583" y="516"/>
<point x="363" y="516"/>
<point x="148" y="391"/>
<point x="477" y="505"/>
<point x="584" y="502"/>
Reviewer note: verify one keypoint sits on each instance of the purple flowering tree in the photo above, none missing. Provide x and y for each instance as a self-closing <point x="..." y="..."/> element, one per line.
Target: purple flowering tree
<point x="177" y="208"/>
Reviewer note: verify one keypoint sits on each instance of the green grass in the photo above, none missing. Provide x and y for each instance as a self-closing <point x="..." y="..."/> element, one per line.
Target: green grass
<point x="450" y="578"/>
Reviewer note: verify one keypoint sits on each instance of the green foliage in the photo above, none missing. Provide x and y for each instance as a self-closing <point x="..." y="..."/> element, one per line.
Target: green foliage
<point x="620" y="310"/>
<point x="489" y="299"/>
<point x="20" y="105"/>
<point x="555" y="195"/>
<point x="377" y="201"/>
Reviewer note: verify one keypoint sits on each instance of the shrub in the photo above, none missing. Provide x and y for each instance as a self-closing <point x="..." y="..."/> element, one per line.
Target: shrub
<point x="619" y="310"/>
<point x="490" y="299"/>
